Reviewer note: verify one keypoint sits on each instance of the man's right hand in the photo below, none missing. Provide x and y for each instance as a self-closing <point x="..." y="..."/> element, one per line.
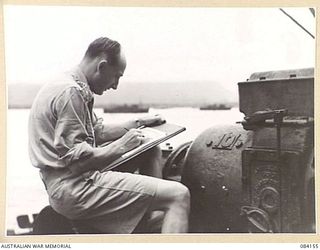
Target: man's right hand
<point x="132" y="139"/>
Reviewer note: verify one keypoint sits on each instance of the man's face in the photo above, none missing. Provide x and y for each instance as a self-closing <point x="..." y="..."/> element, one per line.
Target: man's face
<point x="107" y="76"/>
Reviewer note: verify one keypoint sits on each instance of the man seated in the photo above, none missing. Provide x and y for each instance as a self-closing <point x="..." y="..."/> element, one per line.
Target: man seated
<point x="64" y="135"/>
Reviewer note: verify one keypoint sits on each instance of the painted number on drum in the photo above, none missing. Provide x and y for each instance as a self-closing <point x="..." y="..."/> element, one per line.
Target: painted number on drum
<point x="227" y="142"/>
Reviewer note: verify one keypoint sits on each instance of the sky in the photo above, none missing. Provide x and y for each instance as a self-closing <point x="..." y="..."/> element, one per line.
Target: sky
<point x="222" y="45"/>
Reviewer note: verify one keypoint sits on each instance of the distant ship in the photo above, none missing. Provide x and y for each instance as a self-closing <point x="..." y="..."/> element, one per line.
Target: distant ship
<point x="215" y="107"/>
<point x="134" y="108"/>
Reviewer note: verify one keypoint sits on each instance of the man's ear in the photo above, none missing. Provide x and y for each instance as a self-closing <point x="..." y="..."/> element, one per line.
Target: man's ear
<point x="102" y="65"/>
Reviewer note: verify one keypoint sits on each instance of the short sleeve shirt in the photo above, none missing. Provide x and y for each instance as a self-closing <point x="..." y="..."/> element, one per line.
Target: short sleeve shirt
<point x="61" y="122"/>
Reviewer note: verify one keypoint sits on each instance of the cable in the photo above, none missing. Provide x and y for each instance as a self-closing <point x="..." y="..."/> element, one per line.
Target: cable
<point x="297" y="23"/>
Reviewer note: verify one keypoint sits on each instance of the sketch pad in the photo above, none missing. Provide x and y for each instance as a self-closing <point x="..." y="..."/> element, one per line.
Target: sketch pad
<point x="158" y="134"/>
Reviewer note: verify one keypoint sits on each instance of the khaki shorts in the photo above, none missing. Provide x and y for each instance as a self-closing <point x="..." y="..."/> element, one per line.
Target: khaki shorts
<point x="112" y="202"/>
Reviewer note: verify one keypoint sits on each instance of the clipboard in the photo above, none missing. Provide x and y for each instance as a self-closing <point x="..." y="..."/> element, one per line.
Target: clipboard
<point x="161" y="133"/>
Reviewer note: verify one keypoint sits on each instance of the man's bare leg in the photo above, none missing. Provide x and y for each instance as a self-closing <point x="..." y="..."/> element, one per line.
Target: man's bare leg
<point x="151" y="163"/>
<point x="152" y="166"/>
<point x="174" y="199"/>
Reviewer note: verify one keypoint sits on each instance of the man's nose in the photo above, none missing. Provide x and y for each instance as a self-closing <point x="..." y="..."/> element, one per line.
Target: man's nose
<point x="115" y="85"/>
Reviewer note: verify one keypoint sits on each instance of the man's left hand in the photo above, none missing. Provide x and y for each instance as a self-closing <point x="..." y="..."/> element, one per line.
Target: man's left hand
<point x="150" y="120"/>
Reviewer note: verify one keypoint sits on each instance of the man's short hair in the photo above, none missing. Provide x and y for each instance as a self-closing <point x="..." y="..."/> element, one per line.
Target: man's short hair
<point x="104" y="46"/>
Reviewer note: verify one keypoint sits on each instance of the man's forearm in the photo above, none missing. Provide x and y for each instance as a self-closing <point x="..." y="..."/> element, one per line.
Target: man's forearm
<point x="100" y="158"/>
<point x="112" y="132"/>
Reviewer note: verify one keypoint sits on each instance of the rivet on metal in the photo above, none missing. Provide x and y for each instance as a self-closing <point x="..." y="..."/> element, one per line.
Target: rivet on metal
<point x="224" y="188"/>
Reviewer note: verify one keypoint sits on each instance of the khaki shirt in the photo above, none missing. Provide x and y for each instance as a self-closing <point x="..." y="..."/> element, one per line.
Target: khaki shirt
<point x="62" y="127"/>
<point x="63" y="131"/>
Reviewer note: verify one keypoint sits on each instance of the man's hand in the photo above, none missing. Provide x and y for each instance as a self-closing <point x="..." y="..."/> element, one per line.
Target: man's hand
<point x="150" y="120"/>
<point x="132" y="139"/>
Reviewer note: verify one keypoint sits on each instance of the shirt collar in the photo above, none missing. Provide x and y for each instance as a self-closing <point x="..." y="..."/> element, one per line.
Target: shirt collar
<point x="81" y="80"/>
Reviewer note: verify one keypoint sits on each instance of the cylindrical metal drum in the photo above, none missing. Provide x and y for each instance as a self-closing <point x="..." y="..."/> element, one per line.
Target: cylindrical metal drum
<point x="212" y="172"/>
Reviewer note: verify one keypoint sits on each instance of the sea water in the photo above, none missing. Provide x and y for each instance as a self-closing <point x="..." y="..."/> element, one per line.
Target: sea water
<point x="25" y="192"/>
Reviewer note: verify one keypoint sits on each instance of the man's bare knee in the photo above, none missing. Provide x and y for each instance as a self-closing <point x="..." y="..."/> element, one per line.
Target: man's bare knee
<point x="173" y="199"/>
<point x="182" y="196"/>
<point x="171" y="193"/>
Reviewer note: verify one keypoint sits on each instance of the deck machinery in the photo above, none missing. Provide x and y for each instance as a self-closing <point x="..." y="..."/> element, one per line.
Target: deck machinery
<point x="258" y="175"/>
